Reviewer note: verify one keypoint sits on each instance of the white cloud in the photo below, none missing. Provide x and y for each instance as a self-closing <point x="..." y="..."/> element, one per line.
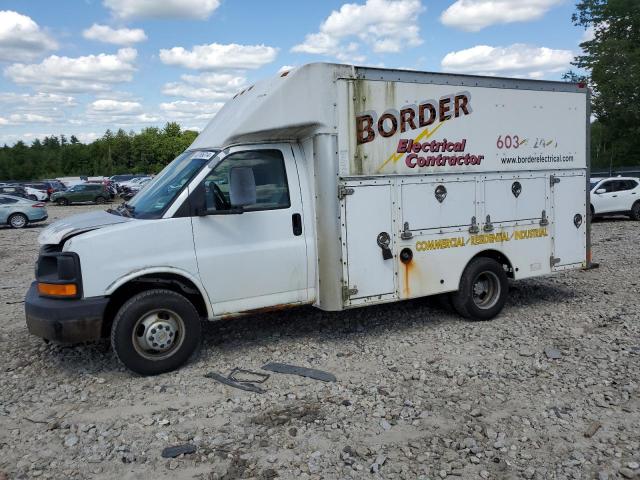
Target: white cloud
<point x="21" y="38"/>
<point x="286" y="68"/>
<point x="515" y="60"/>
<point x="36" y="101"/>
<point x="183" y="109"/>
<point x="17" y="118"/>
<point x="115" y="107"/>
<point x="198" y="9"/>
<point x="120" y="36"/>
<point x="37" y="108"/>
<point x="474" y="15"/>
<point x="206" y="86"/>
<point x="118" y="112"/>
<point x="218" y="56"/>
<point x="387" y="26"/>
<point x="91" y="73"/>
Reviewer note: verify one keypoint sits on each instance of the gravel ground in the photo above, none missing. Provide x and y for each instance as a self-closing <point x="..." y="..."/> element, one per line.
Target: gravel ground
<point x="420" y="393"/>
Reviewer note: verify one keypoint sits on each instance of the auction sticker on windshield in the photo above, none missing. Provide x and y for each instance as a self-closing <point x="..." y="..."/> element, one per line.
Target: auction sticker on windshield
<point x="204" y="155"/>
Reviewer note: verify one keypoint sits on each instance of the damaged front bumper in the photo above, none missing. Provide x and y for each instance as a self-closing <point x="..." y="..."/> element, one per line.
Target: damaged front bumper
<point x="64" y="320"/>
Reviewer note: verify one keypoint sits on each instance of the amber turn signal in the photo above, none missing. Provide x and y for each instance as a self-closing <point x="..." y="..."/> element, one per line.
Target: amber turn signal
<point x="58" y="290"/>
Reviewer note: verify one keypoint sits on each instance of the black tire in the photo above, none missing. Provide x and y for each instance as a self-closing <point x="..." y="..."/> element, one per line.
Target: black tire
<point x="136" y="324"/>
<point x="18" y="220"/>
<point x="635" y="211"/>
<point x="100" y="200"/>
<point x="63" y="202"/>
<point x="488" y="275"/>
<point x="33" y="198"/>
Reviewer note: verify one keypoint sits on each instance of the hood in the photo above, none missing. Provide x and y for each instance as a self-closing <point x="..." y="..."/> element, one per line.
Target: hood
<point x="84" y="222"/>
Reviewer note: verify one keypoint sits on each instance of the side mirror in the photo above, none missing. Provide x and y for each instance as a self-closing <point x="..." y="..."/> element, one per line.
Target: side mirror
<point x="601" y="190"/>
<point x="242" y="186"/>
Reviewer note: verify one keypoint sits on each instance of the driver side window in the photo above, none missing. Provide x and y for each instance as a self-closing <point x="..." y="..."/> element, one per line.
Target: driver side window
<point x="272" y="191"/>
<point x="608" y="186"/>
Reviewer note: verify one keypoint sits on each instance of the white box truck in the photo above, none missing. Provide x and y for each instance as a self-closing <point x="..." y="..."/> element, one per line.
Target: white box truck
<point x="332" y="185"/>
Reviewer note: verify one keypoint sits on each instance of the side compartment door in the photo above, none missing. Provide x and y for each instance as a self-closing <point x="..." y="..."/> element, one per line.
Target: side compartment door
<point x="569" y="221"/>
<point x="368" y="215"/>
<point x="515" y="199"/>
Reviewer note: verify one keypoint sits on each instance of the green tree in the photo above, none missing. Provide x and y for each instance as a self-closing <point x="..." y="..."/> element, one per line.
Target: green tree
<point x="612" y="61"/>
<point x="145" y="152"/>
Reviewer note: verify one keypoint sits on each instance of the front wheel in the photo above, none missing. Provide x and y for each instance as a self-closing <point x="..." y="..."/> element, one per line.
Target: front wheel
<point x="155" y="331"/>
<point x="63" y="202"/>
<point x="100" y="200"/>
<point x="635" y="211"/>
<point x="33" y="198"/>
<point x="483" y="290"/>
<point x="18" y="220"/>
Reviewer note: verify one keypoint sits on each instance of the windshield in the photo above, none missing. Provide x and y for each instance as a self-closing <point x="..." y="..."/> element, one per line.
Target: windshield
<point x="593" y="184"/>
<point x="158" y="193"/>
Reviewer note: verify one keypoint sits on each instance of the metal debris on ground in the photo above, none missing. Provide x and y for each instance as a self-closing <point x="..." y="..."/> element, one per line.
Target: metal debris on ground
<point x="241" y="375"/>
<point x="552" y="353"/>
<point x="177" y="450"/>
<point x="248" y="387"/>
<point x="301" y="371"/>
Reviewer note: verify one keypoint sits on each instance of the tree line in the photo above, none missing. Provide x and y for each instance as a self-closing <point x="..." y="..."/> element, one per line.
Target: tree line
<point x="122" y="152"/>
<point x="611" y="60"/>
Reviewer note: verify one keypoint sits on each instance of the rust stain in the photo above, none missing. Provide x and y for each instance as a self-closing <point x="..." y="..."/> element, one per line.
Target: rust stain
<point x="257" y="311"/>
<point x="408" y="267"/>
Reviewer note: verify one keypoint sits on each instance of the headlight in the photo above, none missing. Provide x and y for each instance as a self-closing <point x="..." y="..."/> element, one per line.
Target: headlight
<point x="58" y="274"/>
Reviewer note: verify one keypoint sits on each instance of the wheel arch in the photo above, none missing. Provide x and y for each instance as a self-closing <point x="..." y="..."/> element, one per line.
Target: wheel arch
<point x="173" y="279"/>
<point x="499" y="257"/>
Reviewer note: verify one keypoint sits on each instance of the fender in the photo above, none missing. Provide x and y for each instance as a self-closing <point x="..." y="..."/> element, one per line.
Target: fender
<point x="151" y="270"/>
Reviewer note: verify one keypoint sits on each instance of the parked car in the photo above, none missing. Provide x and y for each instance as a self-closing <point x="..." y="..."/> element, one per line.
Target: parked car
<point x="122" y="178"/>
<point x="18" y="212"/>
<point x="120" y="181"/>
<point x="15" y="190"/>
<point x="49" y="186"/>
<point x="84" y="192"/>
<point x="130" y="189"/>
<point x="35" y="194"/>
<point x="616" y="195"/>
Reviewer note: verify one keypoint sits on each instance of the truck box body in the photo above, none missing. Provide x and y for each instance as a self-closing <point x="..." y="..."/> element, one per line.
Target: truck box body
<point x="364" y="186"/>
<point x="510" y="156"/>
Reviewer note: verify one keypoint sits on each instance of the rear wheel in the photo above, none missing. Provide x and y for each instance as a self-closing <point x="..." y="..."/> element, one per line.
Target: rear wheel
<point x="483" y="290"/>
<point x="62" y="202"/>
<point x="155" y="331"/>
<point x="100" y="200"/>
<point x="635" y="211"/>
<point x="18" y="220"/>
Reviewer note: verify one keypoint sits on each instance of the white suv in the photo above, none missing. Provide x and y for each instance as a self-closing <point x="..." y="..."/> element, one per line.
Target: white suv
<point x="619" y="195"/>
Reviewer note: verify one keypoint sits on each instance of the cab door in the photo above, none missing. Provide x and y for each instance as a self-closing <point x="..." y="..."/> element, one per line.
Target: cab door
<point x="257" y="258"/>
<point x="610" y="200"/>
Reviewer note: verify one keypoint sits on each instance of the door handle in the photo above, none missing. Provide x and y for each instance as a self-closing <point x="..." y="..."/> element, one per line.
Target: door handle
<point x="296" y="224"/>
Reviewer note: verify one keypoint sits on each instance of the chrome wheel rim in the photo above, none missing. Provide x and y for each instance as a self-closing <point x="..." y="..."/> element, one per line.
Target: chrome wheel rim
<point x="18" y="221"/>
<point x="158" y="334"/>
<point x="486" y="290"/>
